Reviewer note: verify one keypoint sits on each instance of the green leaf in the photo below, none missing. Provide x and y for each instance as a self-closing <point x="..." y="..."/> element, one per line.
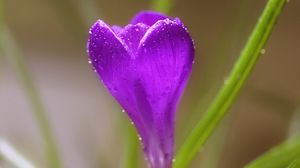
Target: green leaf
<point x="232" y="85"/>
<point x="279" y="157"/>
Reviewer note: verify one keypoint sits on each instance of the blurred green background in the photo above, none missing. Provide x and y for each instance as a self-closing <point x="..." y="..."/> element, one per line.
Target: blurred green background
<point x="88" y="122"/>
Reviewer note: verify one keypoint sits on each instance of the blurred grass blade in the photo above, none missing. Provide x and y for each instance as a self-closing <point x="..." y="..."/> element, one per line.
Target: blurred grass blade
<point x="232" y="85"/>
<point x="295" y="164"/>
<point x="71" y="19"/>
<point x="1" y="24"/>
<point x="279" y="157"/>
<point x="16" y="60"/>
<point x="8" y="48"/>
<point x="131" y="158"/>
<point x="294" y="130"/>
<point x="9" y="154"/>
<point x="162" y="5"/>
<point x="76" y="16"/>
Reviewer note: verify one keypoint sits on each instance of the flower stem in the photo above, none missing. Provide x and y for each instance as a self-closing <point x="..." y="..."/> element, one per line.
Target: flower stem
<point x="131" y="152"/>
<point x="162" y="5"/>
<point x="15" y="58"/>
<point x="280" y="156"/>
<point x="232" y="85"/>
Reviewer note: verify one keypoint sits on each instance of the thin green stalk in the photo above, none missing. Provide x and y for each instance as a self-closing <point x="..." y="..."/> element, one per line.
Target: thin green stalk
<point x="9" y="48"/>
<point x="162" y="5"/>
<point x="232" y="85"/>
<point x="278" y="157"/>
<point x="295" y="164"/>
<point x="15" y="58"/>
<point x="131" y="148"/>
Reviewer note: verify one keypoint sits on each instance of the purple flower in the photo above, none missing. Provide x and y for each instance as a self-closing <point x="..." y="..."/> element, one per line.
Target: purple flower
<point x="145" y="66"/>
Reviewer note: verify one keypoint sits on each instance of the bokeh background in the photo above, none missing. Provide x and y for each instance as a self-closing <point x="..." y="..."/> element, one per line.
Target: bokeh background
<point x="88" y="122"/>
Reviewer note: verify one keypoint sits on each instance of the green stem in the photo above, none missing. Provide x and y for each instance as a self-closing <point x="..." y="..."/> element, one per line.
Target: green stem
<point x="162" y="5"/>
<point x="232" y="85"/>
<point x="278" y="157"/>
<point x="15" y="58"/>
<point x="131" y="152"/>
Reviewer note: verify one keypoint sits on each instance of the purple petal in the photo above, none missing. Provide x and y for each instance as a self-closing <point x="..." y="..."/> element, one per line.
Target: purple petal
<point x="164" y="62"/>
<point x="112" y="60"/>
<point x="146" y="70"/>
<point x="132" y="34"/>
<point x="148" y="17"/>
<point x="108" y="54"/>
<point x="114" y="63"/>
<point x="116" y="29"/>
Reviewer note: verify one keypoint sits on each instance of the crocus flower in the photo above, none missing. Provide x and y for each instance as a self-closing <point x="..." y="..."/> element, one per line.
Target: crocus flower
<point x="145" y="66"/>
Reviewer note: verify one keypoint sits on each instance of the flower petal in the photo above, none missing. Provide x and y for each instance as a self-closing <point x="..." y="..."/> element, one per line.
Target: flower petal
<point x="116" y="29"/>
<point x="146" y="70"/>
<point x="148" y="17"/>
<point x="132" y="34"/>
<point x="164" y="62"/>
<point x="113" y="62"/>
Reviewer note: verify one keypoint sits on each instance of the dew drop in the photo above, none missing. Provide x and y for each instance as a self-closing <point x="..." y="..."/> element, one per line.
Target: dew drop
<point x="262" y="51"/>
<point x="123" y="111"/>
<point x="173" y="160"/>
<point x="89" y="61"/>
